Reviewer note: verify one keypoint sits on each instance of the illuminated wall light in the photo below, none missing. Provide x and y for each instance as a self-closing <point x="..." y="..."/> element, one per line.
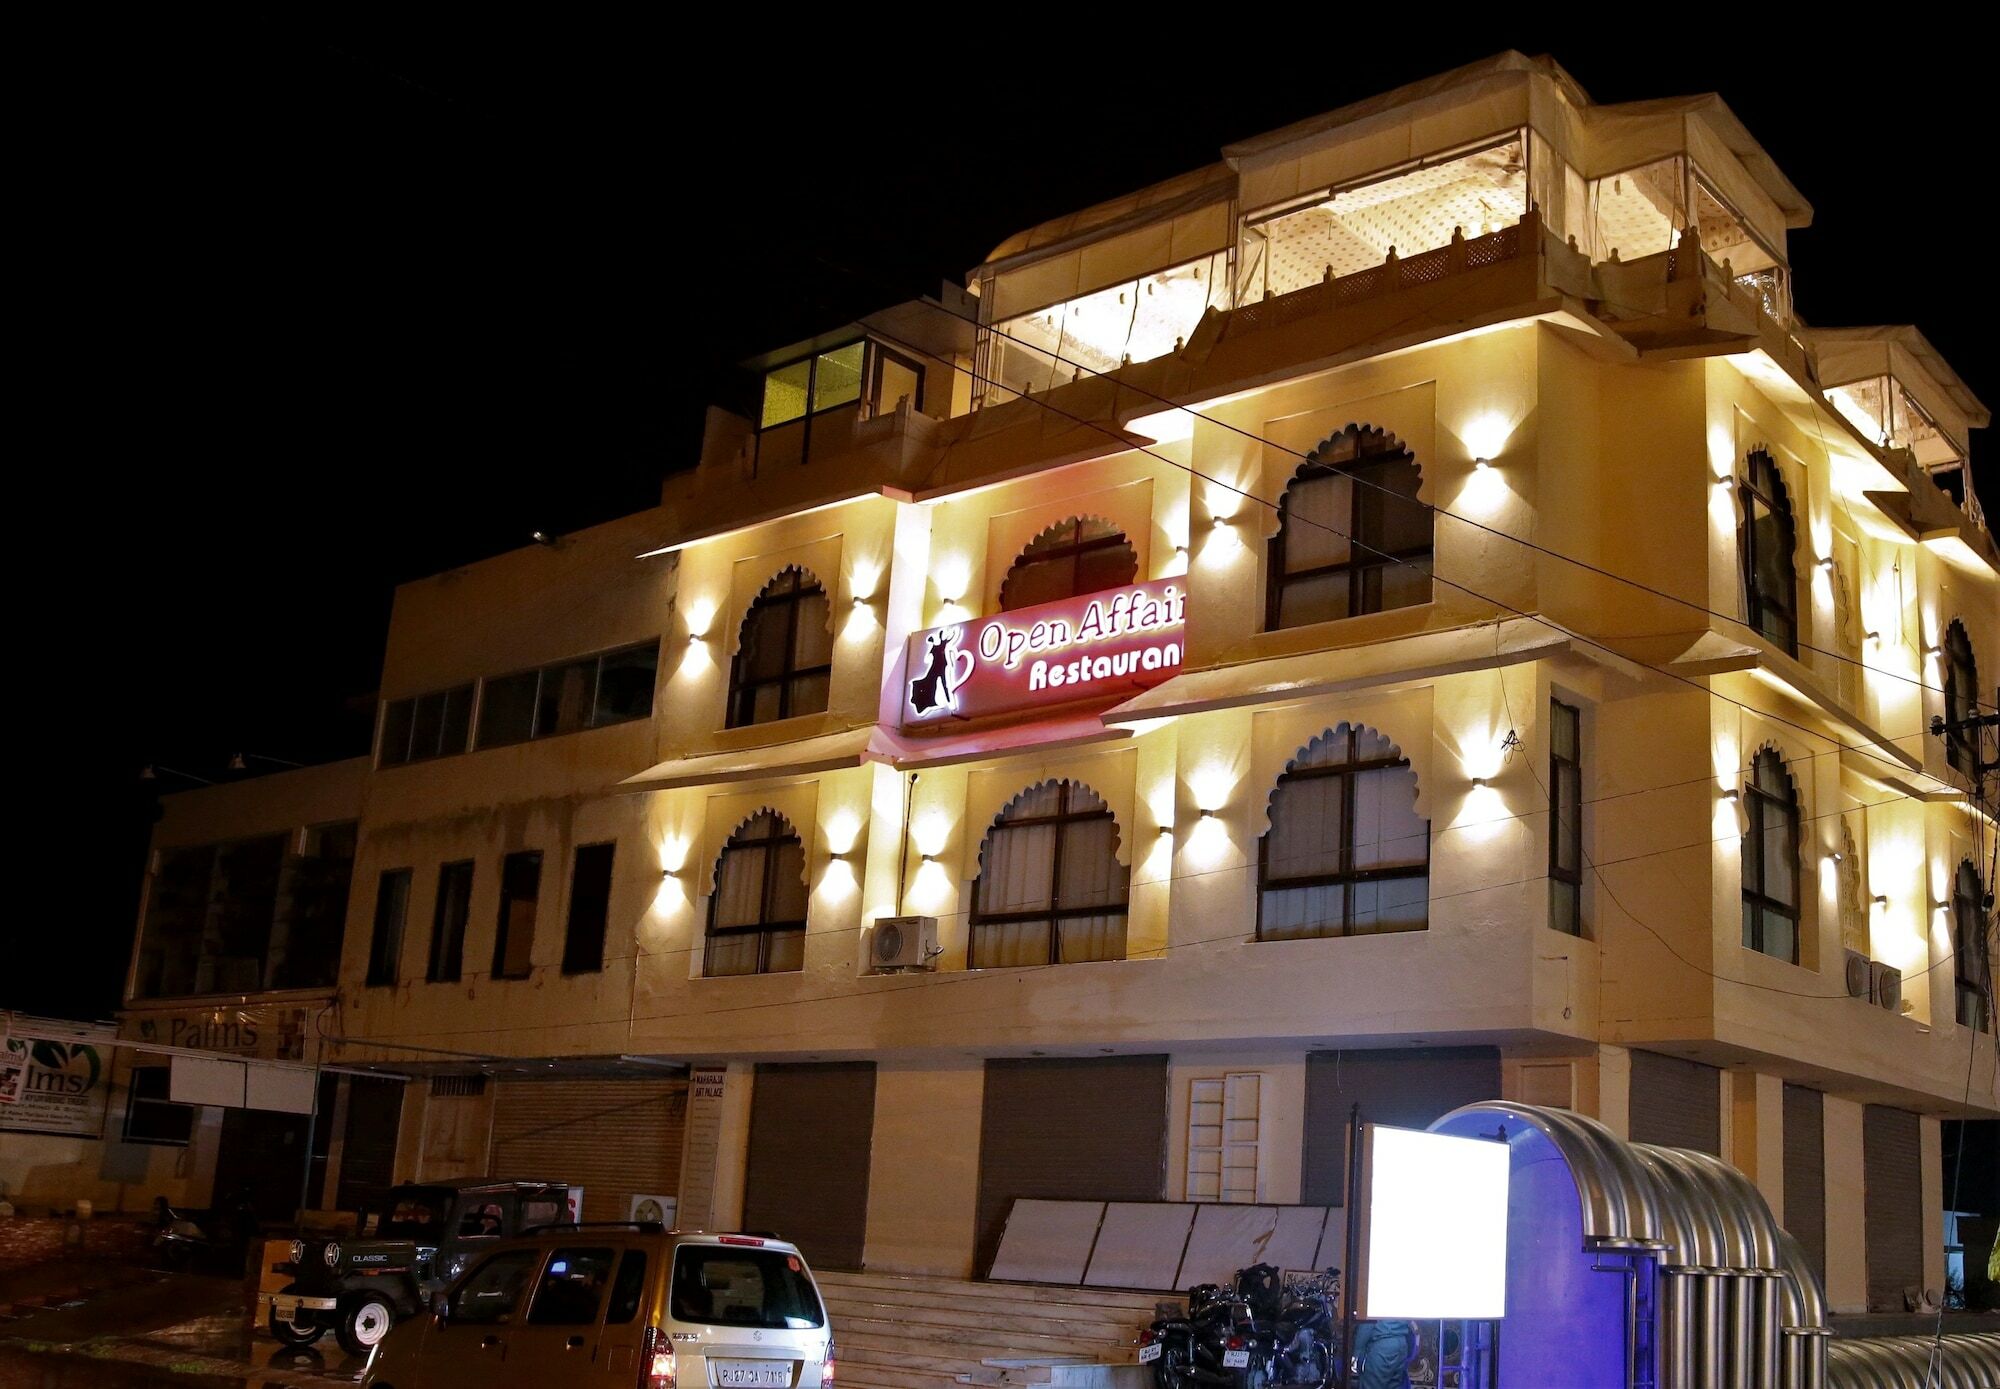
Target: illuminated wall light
<point x="1826" y="565"/>
<point x="700" y="619"/>
<point x="1481" y="782"/>
<point x="1482" y="465"/>
<point x="1220" y="523"/>
<point x="1725" y="480"/>
<point x="1881" y="901"/>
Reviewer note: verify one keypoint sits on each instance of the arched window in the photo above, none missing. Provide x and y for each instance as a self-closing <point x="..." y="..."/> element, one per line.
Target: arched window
<point x="1352" y="536"/>
<point x="1050" y="888"/>
<point x="785" y="660"/>
<point x="1767" y="540"/>
<point x="1346" y="853"/>
<point x="1081" y="555"/>
<point x="1971" y="961"/>
<point x="757" y="916"/>
<point x="1771" y="860"/>
<point x="1961" y="700"/>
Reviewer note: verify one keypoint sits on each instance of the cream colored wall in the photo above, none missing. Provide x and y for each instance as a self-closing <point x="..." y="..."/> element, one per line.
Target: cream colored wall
<point x="1846" y="1189"/>
<point x="45" y="1170"/>
<point x="923" y="1174"/>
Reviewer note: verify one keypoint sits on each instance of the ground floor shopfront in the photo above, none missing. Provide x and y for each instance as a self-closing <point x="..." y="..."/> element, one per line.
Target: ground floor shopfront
<point x="911" y="1164"/>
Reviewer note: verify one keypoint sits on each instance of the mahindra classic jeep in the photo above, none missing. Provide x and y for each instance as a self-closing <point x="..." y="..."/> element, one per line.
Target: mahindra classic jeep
<point x="359" y="1286"/>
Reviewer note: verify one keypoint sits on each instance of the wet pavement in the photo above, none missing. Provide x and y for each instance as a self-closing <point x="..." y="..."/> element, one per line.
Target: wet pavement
<point x="178" y="1330"/>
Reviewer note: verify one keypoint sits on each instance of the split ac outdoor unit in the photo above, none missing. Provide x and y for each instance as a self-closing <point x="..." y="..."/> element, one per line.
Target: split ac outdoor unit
<point x="1886" y="986"/>
<point x="1860" y="976"/>
<point x="901" y="942"/>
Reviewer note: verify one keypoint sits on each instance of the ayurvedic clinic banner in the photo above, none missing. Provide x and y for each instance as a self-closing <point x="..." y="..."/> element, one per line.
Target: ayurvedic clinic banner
<point x="64" y="1088"/>
<point x="1098" y="646"/>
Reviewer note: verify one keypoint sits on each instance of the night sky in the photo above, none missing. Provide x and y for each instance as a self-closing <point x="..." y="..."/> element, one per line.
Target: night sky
<point x="322" y="311"/>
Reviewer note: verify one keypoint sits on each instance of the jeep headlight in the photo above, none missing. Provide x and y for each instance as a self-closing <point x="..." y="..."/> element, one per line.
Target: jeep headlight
<point x="298" y="1251"/>
<point x="332" y="1256"/>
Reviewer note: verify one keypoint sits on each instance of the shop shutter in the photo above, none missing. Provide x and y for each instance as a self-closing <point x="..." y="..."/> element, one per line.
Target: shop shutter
<point x="1090" y="1129"/>
<point x="614" y="1138"/>
<point x="368" y="1142"/>
<point x="1893" y="1204"/>
<point x="1805" y="1172"/>
<point x="1405" y="1087"/>
<point x="812" y="1131"/>
<point x="1676" y="1103"/>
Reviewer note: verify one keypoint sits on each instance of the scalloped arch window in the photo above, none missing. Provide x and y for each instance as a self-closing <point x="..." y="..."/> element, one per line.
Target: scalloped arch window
<point x="1768" y="539"/>
<point x="1771" y="896"/>
<point x="1050" y="888"/>
<point x="1346" y="853"/>
<point x="1352" y="536"/>
<point x="1084" y="554"/>
<point x="784" y="663"/>
<point x="757" y="913"/>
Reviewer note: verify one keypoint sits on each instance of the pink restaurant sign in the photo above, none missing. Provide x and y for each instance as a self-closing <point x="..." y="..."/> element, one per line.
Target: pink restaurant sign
<point x="1094" y="647"/>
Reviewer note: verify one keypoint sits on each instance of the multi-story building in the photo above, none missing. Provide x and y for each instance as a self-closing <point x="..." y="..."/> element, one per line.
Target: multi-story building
<point x="1403" y="615"/>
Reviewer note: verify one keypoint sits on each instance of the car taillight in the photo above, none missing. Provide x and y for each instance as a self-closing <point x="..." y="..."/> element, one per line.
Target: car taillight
<point x="1146" y="1337"/>
<point x="741" y="1239"/>
<point x="656" y="1361"/>
<point x="1237" y="1343"/>
<point x="826" y="1370"/>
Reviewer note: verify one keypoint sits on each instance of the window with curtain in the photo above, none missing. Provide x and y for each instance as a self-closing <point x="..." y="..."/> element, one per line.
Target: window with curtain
<point x="1767" y="540"/>
<point x="784" y="662"/>
<point x="1971" y="961"/>
<point x="1771" y="894"/>
<point x="1346" y="853"/>
<point x="1081" y="555"/>
<point x="1961" y="699"/>
<point x="1352" y="536"/>
<point x="1050" y="888"/>
<point x="1565" y="817"/>
<point x="757" y="914"/>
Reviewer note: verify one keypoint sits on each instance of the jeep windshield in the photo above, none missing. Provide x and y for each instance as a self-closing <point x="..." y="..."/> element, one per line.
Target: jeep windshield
<point x="728" y="1285"/>
<point x="415" y="1215"/>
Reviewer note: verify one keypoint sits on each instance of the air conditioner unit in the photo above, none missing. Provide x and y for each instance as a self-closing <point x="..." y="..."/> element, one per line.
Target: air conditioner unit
<point x="1860" y="976"/>
<point x="1886" y="986"/>
<point x="901" y="942"/>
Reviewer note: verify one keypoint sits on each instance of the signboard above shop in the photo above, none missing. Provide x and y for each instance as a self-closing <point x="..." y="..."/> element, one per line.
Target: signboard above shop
<point x="1096" y="647"/>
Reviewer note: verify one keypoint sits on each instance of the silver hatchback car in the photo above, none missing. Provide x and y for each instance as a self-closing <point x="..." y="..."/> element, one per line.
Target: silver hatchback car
<point x="627" y="1305"/>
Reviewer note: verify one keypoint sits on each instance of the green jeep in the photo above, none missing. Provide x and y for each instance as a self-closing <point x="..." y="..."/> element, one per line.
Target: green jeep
<point x="359" y="1286"/>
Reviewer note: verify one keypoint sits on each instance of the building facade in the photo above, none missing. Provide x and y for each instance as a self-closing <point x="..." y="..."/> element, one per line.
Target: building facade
<point x="1405" y="615"/>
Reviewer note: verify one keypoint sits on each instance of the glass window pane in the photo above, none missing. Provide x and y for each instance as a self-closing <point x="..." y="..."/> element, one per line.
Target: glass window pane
<point x="1306" y="832"/>
<point x="764" y="635"/>
<point x="568" y="694"/>
<point x="514" y="934"/>
<point x="1392" y="904"/>
<point x="1092" y="876"/>
<point x="1780" y="938"/>
<point x="809" y="694"/>
<point x="427" y="726"/>
<point x="1003" y="945"/>
<point x="1304" y="601"/>
<point x="785" y="393"/>
<point x="813" y="643"/>
<point x="1569" y="827"/>
<point x="739" y="888"/>
<point x="1319" y="518"/>
<point x="572" y="1288"/>
<point x="1401" y="585"/>
<point x="1564" y="907"/>
<point x="1387" y="829"/>
<point x="1017" y="870"/>
<point x="629" y="1291"/>
<point x="625" y="681"/>
<point x="788" y="885"/>
<point x="589" y="909"/>
<point x="1780" y="872"/>
<point x="787" y="952"/>
<point x="397" y="718"/>
<point x="895" y="382"/>
<point x="1091" y="938"/>
<point x="1563" y="722"/>
<point x="1298" y="913"/>
<point x="837" y="377"/>
<point x="488" y="1294"/>
<point x="507" y="710"/>
<point x="731" y="955"/>
<point x="455" y="734"/>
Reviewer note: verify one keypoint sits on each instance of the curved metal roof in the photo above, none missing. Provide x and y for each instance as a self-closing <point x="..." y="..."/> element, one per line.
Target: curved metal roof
<point x="1693" y="1210"/>
<point x="1969" y="1361"/>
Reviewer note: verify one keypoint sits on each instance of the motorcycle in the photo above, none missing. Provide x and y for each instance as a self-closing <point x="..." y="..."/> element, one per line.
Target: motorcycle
<point x="1258" y="1333"/>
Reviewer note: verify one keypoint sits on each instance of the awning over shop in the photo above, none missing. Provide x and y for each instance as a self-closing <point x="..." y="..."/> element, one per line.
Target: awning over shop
<point x="826" y="753"/>
<point x="1404" y="659"/>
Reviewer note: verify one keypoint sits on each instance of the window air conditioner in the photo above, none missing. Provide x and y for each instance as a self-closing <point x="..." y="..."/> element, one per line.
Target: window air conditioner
<point x="1886" y="986"/>
<point x="1860" y="976"/>
<point x="901" y="942"/>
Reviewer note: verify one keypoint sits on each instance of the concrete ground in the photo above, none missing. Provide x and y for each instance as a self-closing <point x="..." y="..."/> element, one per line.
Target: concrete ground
<point x="86" y="1325"/>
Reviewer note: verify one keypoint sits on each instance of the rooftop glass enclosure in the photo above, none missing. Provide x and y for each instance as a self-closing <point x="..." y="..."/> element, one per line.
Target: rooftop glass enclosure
<point x="1078" y="308"/>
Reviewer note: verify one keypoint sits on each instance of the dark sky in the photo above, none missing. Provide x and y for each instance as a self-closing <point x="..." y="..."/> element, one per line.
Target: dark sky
<point x="324" y="310"/>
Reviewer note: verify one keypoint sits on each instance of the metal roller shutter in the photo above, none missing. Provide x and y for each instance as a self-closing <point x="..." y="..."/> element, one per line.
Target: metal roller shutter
<point x="1090" y="1129"/>
<point x="1676" y="1103"/>
<point x="1405" y="1087"/>
<point x="368" y="1142"/>
<point x="1893" y="1204"/>
<point x="614" y="1138"/>
<point x="1805" y="1172"/>
<point x="812" y="1130"/>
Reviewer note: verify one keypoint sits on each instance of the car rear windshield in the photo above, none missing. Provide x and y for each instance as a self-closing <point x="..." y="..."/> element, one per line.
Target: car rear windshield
<point x="723" y="1285"/>
<point x="416" y="1215"/>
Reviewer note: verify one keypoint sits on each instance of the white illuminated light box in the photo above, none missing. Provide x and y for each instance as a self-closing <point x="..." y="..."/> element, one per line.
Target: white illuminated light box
<point x="1432" y="1240"/>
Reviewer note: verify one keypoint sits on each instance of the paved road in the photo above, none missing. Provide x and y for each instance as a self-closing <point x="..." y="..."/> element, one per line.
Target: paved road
<point x="22" y="1369"/>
